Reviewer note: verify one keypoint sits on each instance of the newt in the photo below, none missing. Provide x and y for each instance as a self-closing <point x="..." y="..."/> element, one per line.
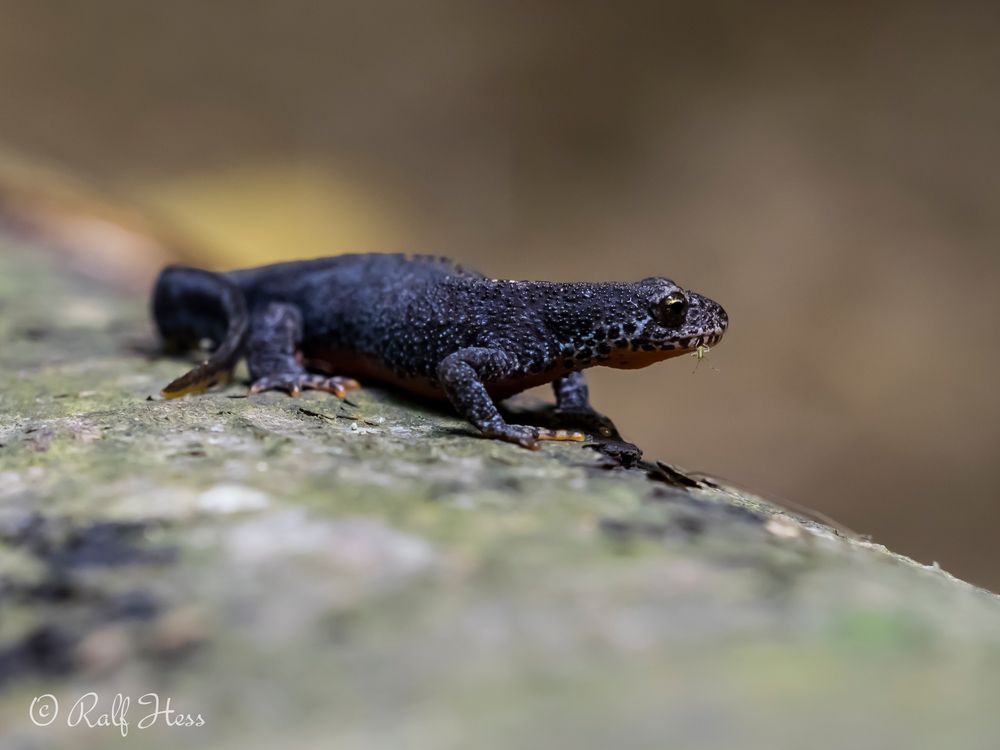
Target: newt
<point x="429" y="326"/>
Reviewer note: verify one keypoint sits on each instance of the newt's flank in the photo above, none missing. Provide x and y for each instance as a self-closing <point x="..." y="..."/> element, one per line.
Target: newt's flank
<point x="428" y="326"/>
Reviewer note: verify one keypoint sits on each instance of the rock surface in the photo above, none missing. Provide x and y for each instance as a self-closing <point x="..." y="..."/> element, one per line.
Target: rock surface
<point x="370" y="574"/>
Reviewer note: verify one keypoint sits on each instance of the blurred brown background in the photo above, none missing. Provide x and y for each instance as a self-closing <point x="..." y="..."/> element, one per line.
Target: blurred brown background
<point x="829" y="172"/>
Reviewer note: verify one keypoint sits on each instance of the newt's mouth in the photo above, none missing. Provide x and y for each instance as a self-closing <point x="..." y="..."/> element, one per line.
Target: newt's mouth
<point x="642" y="355"/>
<point x="685" y="346"/>
<point x="708" y="339"/>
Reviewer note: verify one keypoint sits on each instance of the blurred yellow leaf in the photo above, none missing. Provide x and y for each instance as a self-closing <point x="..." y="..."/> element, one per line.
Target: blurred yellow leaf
<point x="268" y="212"/>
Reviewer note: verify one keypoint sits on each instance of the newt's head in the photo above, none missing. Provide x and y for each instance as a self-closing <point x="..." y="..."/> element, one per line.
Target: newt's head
<point x="662" y="320"/>
<point x="626" y="324"/>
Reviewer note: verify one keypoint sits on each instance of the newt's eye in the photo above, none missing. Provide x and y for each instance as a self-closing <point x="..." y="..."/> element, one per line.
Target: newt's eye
<point x="669" y="312"/>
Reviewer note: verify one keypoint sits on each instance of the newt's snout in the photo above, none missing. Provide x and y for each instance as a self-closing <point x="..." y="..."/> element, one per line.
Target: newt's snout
<point x="704" y="325"/>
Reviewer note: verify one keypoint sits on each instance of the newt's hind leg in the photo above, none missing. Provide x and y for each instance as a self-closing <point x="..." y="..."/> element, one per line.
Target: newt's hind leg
<point x="275" y="333"/>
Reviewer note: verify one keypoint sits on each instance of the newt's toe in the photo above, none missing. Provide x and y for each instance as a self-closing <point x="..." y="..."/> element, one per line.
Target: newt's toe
<point x="294" y="383"/>
<point x="589" y="420"/>
<point x="338" y="386"/>
<point x="562" y="435"/>
<point x="530" y="437"/>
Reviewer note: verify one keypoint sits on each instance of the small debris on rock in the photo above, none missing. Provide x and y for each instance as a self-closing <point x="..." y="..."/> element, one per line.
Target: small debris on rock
<point x="783" y="527"/>
<point x="232" y="498"/>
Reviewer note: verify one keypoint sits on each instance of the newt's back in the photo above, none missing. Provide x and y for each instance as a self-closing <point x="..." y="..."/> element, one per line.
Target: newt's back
<point x="391" y="307"/>
<point x="316" y="280"/>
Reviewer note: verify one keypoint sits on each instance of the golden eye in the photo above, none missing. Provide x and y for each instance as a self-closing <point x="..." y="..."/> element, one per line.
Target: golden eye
<point x="670" y="310"/>
<point x="676" y="302"/>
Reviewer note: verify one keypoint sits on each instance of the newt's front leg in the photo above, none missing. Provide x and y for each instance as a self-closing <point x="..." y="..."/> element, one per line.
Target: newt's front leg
<point x="573" y="406"/>
<point x="275" y="333"/>
<point x="464" y="375"/>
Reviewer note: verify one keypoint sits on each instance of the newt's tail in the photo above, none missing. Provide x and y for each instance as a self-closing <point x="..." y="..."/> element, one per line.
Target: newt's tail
<point x="191" y="305"/>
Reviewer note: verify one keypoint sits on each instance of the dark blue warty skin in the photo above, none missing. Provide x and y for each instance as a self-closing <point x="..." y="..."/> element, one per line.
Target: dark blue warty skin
<point x="427" y="325"/>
